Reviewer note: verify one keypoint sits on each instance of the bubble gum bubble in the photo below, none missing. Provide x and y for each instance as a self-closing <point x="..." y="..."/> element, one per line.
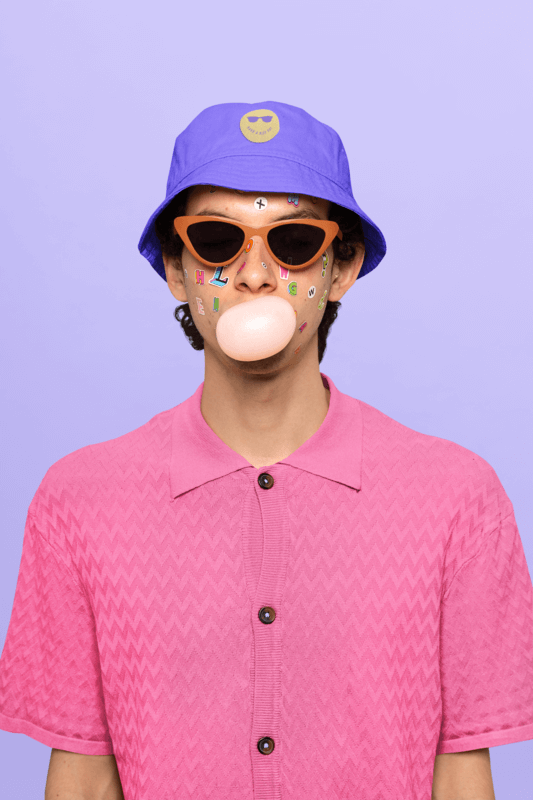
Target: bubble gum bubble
<point x="257" y="328"/>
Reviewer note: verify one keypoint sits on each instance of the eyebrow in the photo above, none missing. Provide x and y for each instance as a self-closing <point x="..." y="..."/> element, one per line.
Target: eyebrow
<point x="301" y="214"/>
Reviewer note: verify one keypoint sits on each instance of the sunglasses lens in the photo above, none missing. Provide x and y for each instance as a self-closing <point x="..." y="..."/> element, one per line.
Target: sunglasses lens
<point x="297" y="242"/>
<point x="217" y="242"/>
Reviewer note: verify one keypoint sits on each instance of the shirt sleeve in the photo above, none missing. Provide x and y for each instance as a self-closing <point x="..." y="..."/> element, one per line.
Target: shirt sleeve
<point x="486" y="656"/>
<point x="50" y="682"/>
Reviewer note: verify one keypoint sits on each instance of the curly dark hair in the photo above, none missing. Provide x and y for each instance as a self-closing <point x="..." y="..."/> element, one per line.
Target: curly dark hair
<point x="344" y="250"/>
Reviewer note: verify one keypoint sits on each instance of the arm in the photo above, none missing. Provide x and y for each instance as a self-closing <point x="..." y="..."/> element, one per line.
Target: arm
<point x="463" y="776"/>
<point x="73" y="776"/>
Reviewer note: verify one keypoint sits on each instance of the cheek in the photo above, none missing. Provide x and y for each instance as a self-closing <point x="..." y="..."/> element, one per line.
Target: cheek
<point x="316" y="281"/>
<point x="204" y="298"/>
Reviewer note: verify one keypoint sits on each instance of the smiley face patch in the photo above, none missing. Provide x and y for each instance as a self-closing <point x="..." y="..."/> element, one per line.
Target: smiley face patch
<point x="259" y="125"/>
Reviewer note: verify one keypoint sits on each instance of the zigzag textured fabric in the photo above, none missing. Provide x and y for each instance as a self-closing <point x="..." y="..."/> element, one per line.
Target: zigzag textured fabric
<point x="320" y="628"/>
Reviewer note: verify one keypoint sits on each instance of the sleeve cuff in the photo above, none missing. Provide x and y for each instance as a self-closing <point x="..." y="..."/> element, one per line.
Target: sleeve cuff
<point x="51" y="739"/>
<point x="488" y="739"/>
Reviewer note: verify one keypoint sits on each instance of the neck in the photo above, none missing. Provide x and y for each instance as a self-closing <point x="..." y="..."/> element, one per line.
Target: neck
<point x="264" y="417"/>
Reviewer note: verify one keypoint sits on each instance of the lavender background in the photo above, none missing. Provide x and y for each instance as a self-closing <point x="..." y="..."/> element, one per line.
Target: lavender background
<point x="432" y="101"/>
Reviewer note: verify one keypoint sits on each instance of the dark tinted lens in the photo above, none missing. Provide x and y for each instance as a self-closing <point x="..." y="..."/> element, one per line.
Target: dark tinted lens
<point x="297" y="242"/>
<point x="216" y="241"/>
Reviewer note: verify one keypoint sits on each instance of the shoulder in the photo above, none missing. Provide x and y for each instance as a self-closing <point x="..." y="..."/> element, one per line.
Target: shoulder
<point x="104" y="466"/>
<point x="396" y="443"/>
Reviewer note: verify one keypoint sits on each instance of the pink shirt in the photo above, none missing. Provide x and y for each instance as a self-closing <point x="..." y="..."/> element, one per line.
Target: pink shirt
<point x="317" y="629"/>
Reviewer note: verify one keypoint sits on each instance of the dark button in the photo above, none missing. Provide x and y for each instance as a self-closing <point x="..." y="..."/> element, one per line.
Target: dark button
<point x="267" y="615"/>
<point x="265" y="745"/>
<point x="265" y="481"/>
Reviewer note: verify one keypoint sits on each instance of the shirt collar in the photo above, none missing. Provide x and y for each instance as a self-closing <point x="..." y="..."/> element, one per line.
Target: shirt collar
<point x="333" y="452"/>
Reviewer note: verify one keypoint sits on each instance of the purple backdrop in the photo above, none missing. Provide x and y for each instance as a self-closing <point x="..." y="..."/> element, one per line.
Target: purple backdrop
<point x="432" y="101"/>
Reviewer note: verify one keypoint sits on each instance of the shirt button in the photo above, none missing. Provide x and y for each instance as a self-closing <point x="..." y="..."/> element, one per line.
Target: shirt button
<point x="265" y="745"/>
<point x="265" y="481"/>
<point x="267" y="615"/>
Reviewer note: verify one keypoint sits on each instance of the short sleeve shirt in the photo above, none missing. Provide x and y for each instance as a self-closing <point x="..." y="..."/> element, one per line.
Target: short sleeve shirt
<point x="319" y="628"/>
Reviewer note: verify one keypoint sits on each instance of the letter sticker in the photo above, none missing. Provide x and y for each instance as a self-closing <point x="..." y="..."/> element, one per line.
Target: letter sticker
<point x="200" y="306"/>
<point x="292" y="287"/>
<point x="215" y="303"/>
<point x="302" y="326"/>
<point x="216" y="280"/>
<point x="293" y="198"/>
<point x="312" y="291"/>
<point x="325" y="262"/>
<point x="283" y="273"/>
<point x="249" y="245"/>
<point x="200" y="276"/>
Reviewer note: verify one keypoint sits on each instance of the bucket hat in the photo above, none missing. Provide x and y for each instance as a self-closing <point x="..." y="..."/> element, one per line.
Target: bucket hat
<point x="264" y="147"/>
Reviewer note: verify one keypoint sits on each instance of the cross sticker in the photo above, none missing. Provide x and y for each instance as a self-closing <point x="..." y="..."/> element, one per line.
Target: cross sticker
<point x="260" y="203"/>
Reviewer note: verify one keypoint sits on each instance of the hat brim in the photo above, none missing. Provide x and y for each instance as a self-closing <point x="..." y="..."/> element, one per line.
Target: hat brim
<point x="256" y="173"/>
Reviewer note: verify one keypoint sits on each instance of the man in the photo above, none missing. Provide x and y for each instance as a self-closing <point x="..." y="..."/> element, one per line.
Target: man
<point x="271" y="589"/>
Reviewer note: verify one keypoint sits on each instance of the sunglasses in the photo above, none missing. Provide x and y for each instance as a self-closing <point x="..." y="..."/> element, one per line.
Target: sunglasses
<point x="294" y="245"/>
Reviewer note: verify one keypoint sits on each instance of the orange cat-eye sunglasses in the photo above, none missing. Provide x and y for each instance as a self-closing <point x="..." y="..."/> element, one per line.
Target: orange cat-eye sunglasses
<point x="293" y="244"/>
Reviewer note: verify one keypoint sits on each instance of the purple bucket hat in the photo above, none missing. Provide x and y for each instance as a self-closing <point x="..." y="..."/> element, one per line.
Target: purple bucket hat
<point x="263" y="147"/>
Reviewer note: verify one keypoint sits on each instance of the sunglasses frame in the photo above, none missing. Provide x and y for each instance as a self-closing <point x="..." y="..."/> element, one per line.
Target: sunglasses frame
<point x="330" y="228"/>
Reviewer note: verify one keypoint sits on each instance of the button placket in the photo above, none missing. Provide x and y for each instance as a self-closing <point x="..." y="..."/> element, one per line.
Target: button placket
<point x="267" y="672"/>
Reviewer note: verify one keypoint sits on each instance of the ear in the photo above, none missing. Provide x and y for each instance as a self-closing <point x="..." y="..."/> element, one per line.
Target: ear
<point x="344" y="273"/>
<point x="175" y="277"/>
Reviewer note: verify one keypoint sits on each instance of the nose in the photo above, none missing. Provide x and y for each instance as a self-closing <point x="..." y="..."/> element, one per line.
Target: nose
<point x="252" y="272"/>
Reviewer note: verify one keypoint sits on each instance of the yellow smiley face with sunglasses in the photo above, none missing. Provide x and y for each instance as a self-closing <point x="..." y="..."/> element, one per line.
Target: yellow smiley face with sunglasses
<point x="260" y="125"/>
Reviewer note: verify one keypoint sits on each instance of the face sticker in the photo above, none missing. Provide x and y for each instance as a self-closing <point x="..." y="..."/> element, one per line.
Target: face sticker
<point x="215" y="303"/>
<point x="264" y="265"/>
<point x="325" y="262"/>
<point x="259" y="125"/>
<point x="200" y="305"/>
<point x="283" y="273"/>
<point x="185" y="271"/>
<point x="249" y="245"/>
<point x="322" y="301"/>
<point x="292" y="287"/>
<point x="297" y="350"/>
<point x="199" y="276"/>
<point x="312" y="291"/>
<point x="293" y="198"/>
<point x="216" y="280"/>
<point x="302" y="326"/>
<point x="260" y="203"/>
<point x="243" y="266"/>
